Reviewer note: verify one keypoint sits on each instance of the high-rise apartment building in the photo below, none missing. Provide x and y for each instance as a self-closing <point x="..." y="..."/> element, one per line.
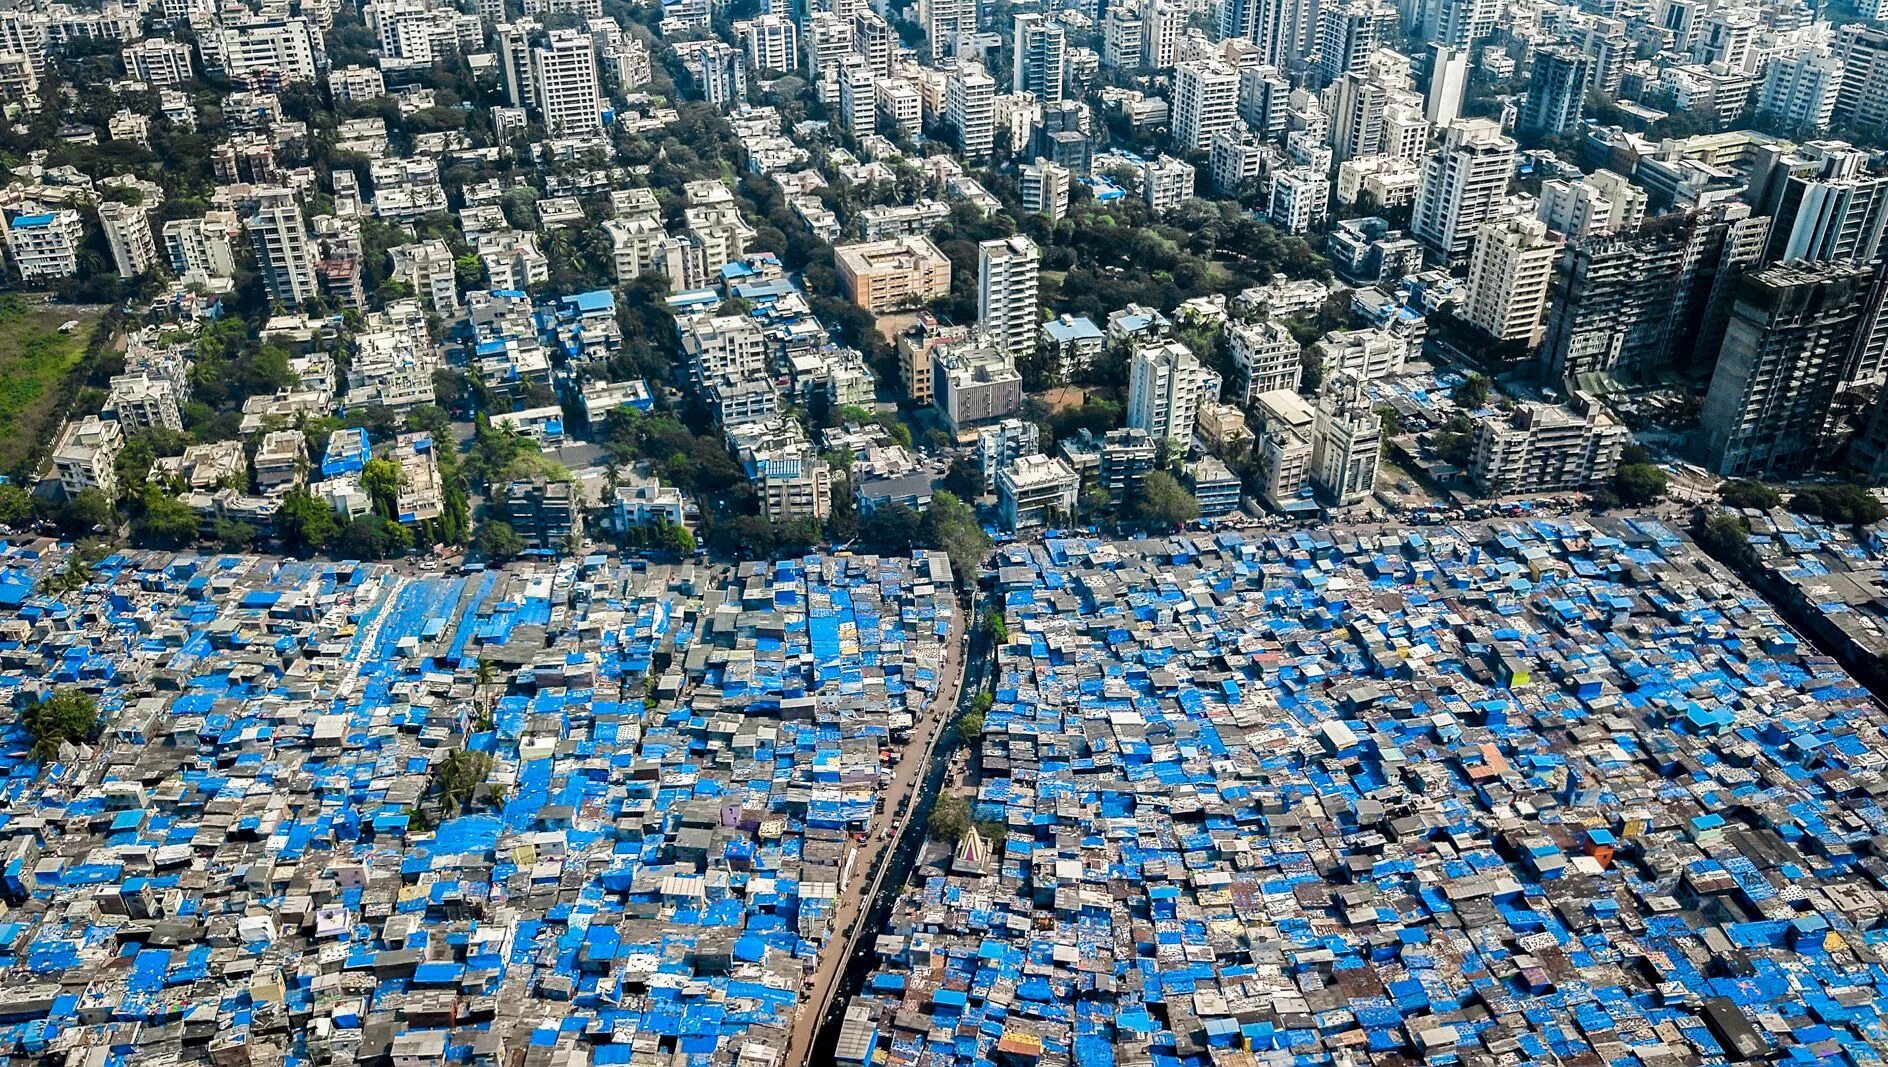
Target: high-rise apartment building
<point x="719" y="72"/>
<point x="1347" y="34"/>
<point x="1166" y="183"/>
<point x="874" y="39"/>
<point x="284" y="254"/>
<point x="45" y="244"/>
<point x="1346" y="443"/>
<point x="1007" y="309"/>
<point x="1602" y="202"/>
<point x="1640" y="302"/>
<point x="1263" y="97"/>
<point x="158" y="62"/>
<point x="1458" y="24"/>
<point x="828" y="39"/>
<point x="564" y="76"/>
<point x="945" y="22"/>
<point x="1267" y="355"/>
<point x="771" y="41"/>
<point x="1121" y="37"/>
<point x="1160" y="34"/>
<point x="858" y="97"/>
<point x="1206" y="102"/>
<point x="1040" y="52"/>
<point x="1556" y="92"/>
<point x="1448" y="84"/>
<point x="1508" y="278"/>
<point x="128" y="234"/>
<point x="1045" y="189"/>
<point x="1825" y="205"/>
<point x="1355" y="103"/>
<point x="970" y="109"/>
<point x="1862" y="94"/>
<point x="1785" y="354"/>
<point x="1799" y="92"/>
<point x="1463" y="183"/>
<point x="1164" y="392"/>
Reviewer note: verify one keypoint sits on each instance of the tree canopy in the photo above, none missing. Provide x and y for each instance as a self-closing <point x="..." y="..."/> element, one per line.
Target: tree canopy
<point x="67" y="715"/>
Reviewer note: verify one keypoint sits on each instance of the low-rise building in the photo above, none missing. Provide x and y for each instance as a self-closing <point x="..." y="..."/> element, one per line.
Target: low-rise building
<point x="280" y="461"/>
<point x="1214" y="486"/>
<point x="544" y="425"/>
<point x="1543" y="448"/>
<point x="421" y="495"/>
<point x="1074" y="341"/>
<point x="644" y="502"/>
<point x="974" y="384"/>
<point x="86" y="455"/>
<point x="887" y="275"/>
<point x="141" y="401"/>
<point x="546" y="514"/>
<point x="1036" y="491"/>
<point x="1284" y="449"/>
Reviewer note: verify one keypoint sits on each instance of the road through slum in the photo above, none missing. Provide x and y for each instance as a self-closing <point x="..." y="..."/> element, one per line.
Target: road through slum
<point x="843" y="973"/>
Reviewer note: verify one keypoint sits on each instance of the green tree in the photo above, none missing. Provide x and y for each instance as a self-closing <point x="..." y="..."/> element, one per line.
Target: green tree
<point x="964" y="478"/>
<point x="674" y="538"/>
<point x="373" y="537"/>
<point x="950" y="817"/>
<point x="16" y="505"/>
<point x="1724" y="536"/>
<point x="1473" y="392"/>
<point x="457" y="778"/>
<point x="998" y="629"/>
<point x="67" y="715"/>
<point x="1638" y="484"/>
<point x="950" y="526"/>
<point x="1164" y="501"/>
<point x="235" y="536"/>
<point x="892" y="526"/>
<point x="306" y="523"/>
<point x="1848" y="505"/>
<point x="497" y="540"/>
<point x="85" y="513"/>
<point x="381" y="479"/>
<point x="1745" y="493"/>
<point x="163" y="520"/>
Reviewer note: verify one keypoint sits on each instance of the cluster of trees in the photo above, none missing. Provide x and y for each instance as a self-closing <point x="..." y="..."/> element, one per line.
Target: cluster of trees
<point x="947" y="525"/>
<point x="699" y="462"/>
<point x="1745" y="493"/>
<point x="67" y="716"/>
<point x="1637" y="482"/>
<point x="1849" y="505"/>
<point x="1723" y="535"/>
<point x="458" y="778"/>
<point x="1163" y="501"/>
<point x="950" y="817"/>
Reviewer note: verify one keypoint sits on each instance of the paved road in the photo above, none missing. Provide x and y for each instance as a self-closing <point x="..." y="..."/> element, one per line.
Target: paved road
<point x="869" y="861"/>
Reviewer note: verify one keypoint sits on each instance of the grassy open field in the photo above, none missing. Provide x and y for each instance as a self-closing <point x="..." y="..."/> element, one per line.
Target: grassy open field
<point x="35" y="358"/>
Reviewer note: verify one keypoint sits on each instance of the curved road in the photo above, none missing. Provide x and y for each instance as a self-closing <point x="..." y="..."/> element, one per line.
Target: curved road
<point x="868" y="861"/>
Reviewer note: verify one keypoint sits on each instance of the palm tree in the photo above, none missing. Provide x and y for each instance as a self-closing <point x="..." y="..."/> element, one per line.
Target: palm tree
<point x="485" y="676"/>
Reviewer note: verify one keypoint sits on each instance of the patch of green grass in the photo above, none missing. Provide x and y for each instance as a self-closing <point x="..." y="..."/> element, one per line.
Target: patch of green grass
<point x="34" y="359"/>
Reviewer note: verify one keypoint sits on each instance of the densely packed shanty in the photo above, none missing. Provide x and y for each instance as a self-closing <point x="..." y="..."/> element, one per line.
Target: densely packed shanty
<point x="1556" y="791"/>
<point x="573" y="811"/>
